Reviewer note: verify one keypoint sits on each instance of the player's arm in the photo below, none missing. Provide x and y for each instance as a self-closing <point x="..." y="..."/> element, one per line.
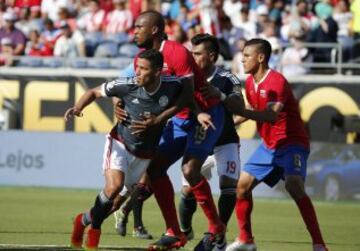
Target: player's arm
<point x="87" y="98"/>
<point x="268" y="115"/>
<point x="231" y="96"/>
<point x="185" y="99"/>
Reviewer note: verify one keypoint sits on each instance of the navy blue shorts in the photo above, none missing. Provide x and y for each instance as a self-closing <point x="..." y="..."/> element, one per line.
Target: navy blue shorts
<point x="187" y="138"/>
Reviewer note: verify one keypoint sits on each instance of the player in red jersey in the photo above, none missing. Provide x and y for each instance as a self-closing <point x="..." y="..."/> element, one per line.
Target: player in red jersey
<point x="182" y="137"/>
<point x="284" y="149"/>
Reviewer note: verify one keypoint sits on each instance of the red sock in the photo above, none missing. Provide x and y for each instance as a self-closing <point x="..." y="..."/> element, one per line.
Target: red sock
<point x="165" y="197"/>
<point x="202" y="193"/>
<point x="309" y="216"/>
<point x="243" y="211"/>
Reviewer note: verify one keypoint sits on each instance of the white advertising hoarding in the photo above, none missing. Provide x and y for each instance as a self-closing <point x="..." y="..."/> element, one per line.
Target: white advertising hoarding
<point x="71" y="160"/>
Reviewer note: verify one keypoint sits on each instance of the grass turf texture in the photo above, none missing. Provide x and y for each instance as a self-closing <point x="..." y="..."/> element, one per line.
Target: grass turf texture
<point x="41" y="219"/>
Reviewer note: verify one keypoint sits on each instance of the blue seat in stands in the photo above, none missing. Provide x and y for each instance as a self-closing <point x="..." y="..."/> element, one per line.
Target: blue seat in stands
<point x="29" y="62"/>
<point x="106" y="50"/>
<point x="128" y="50"/>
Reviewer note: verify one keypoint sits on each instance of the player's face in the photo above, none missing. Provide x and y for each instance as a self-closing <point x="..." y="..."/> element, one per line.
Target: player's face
<point x="145" y="73"/>
<point x="202" y="56"/>
<point x="250" y="59"/>
<point x="143" y="32"/>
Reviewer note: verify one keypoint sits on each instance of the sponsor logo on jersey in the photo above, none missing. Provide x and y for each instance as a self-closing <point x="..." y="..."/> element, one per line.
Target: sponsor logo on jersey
<point x="163" y="101"/>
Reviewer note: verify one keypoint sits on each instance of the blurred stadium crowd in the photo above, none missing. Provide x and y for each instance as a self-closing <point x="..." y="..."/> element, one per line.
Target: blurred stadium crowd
<point x="104" y="29"/>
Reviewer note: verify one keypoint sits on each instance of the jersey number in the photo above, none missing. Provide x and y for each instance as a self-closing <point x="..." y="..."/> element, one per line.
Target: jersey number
<point x="230" y="166"/>
<point x="200" y="134"/>
<point x="297" y="161"/>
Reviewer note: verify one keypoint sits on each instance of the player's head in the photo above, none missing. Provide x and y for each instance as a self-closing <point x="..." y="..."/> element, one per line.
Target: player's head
<point x="149" y="65"/>
<point x="205" y="50"/>
<point x="256" y="53"/>
<point x="148" y="26"/>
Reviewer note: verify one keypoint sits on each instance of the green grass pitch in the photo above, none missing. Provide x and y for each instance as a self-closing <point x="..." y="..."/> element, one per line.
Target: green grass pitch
<point x="41" y="219"/>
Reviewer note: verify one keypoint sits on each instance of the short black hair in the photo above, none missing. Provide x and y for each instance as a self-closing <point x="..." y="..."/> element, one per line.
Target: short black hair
<point x="154" y="56"/>
<point x="211" y="43"/>
<point x="156" y="19"/>
<point x="262" y="46"/>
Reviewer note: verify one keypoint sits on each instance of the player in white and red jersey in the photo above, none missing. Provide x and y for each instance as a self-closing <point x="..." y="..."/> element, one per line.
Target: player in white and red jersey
<point x="183" y="136"/>
<point x="284" y="149"/>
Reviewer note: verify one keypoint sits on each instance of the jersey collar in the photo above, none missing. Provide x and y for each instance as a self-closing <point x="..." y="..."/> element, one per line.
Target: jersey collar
<point x="162" y="45"/>
<point x="213" y="74"/>
<point x="156" y="90"/>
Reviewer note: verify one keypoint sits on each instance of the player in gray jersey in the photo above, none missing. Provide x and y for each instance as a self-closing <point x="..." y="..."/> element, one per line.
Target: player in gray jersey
<point x="148" y="98"/>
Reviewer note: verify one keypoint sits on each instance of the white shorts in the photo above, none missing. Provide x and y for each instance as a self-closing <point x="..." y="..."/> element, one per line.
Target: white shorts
<point x="226" y="158"/>
<point x="118" y="158"/>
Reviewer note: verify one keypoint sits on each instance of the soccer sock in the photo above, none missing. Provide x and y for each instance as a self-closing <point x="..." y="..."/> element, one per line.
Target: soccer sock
<point x="142" y="192"/>
<point x="226" y="204"/>
<point x="202" y="193"/>
<point x="243" y="214"/>
<point x="100" y="210"/>
<point x="86" y="219"/>
<point x="165" y="197"/>
<point x="187" y="208"/>
<point x="128" y="206"/>
<point x="309" y="216"/>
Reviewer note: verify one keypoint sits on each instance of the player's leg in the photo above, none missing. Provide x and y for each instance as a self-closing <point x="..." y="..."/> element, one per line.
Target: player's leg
<point x="170" y="149"/>
<point x="294" y="160"/>
<point x="259" y="168"/>
<point x="121" y="217"/>
<point x="103" y="205"/>
<point x="187" y="208"/>
<point x="227" y="159"/>
<point x="140" y="194"/>
<point x="199" y="145"/>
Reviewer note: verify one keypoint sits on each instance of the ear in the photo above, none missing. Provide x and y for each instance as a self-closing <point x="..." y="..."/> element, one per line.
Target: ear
<point x="212" y="56"/>
<point x="154" y="30"/>
<point x="158" y="72"/>
<point x="261" y="57"/>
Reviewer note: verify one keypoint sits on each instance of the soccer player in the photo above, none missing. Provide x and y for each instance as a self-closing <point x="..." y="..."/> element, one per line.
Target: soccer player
<point x="221" y="83"/>
<point x="181" y="137"/>
<point x="127" y="151"/>
<point x="284" y="149"/>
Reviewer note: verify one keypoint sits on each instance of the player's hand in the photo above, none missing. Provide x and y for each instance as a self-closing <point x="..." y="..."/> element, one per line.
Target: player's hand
<point x="205" y="120"/>
<point x="210" y="91"/>
<point x="120" y="113"/>
<point x="72" y="112"/>
<point x="139" y="127"/>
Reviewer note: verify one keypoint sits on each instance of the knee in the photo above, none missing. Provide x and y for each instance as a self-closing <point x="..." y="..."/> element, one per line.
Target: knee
<point x="186" y="191"/>
<point x="295" y="190"/>
<point x="227" y="185"/>
<point x="187" y="172"/>
<point x="242" y="193"/>
<point x="113" y="189"/>
<point x="144" y="191"/>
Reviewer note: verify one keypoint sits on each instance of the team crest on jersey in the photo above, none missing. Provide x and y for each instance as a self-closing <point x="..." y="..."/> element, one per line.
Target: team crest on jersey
<point x="263" y="93"/>
<point x="163" y="101"/>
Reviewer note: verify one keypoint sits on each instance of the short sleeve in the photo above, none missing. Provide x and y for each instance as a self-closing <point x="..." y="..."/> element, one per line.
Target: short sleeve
<point x="116" y="88"/>
<point x="279" y="92"/>
<point x="235" y="84"/>
<point x="184" y="64"/>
